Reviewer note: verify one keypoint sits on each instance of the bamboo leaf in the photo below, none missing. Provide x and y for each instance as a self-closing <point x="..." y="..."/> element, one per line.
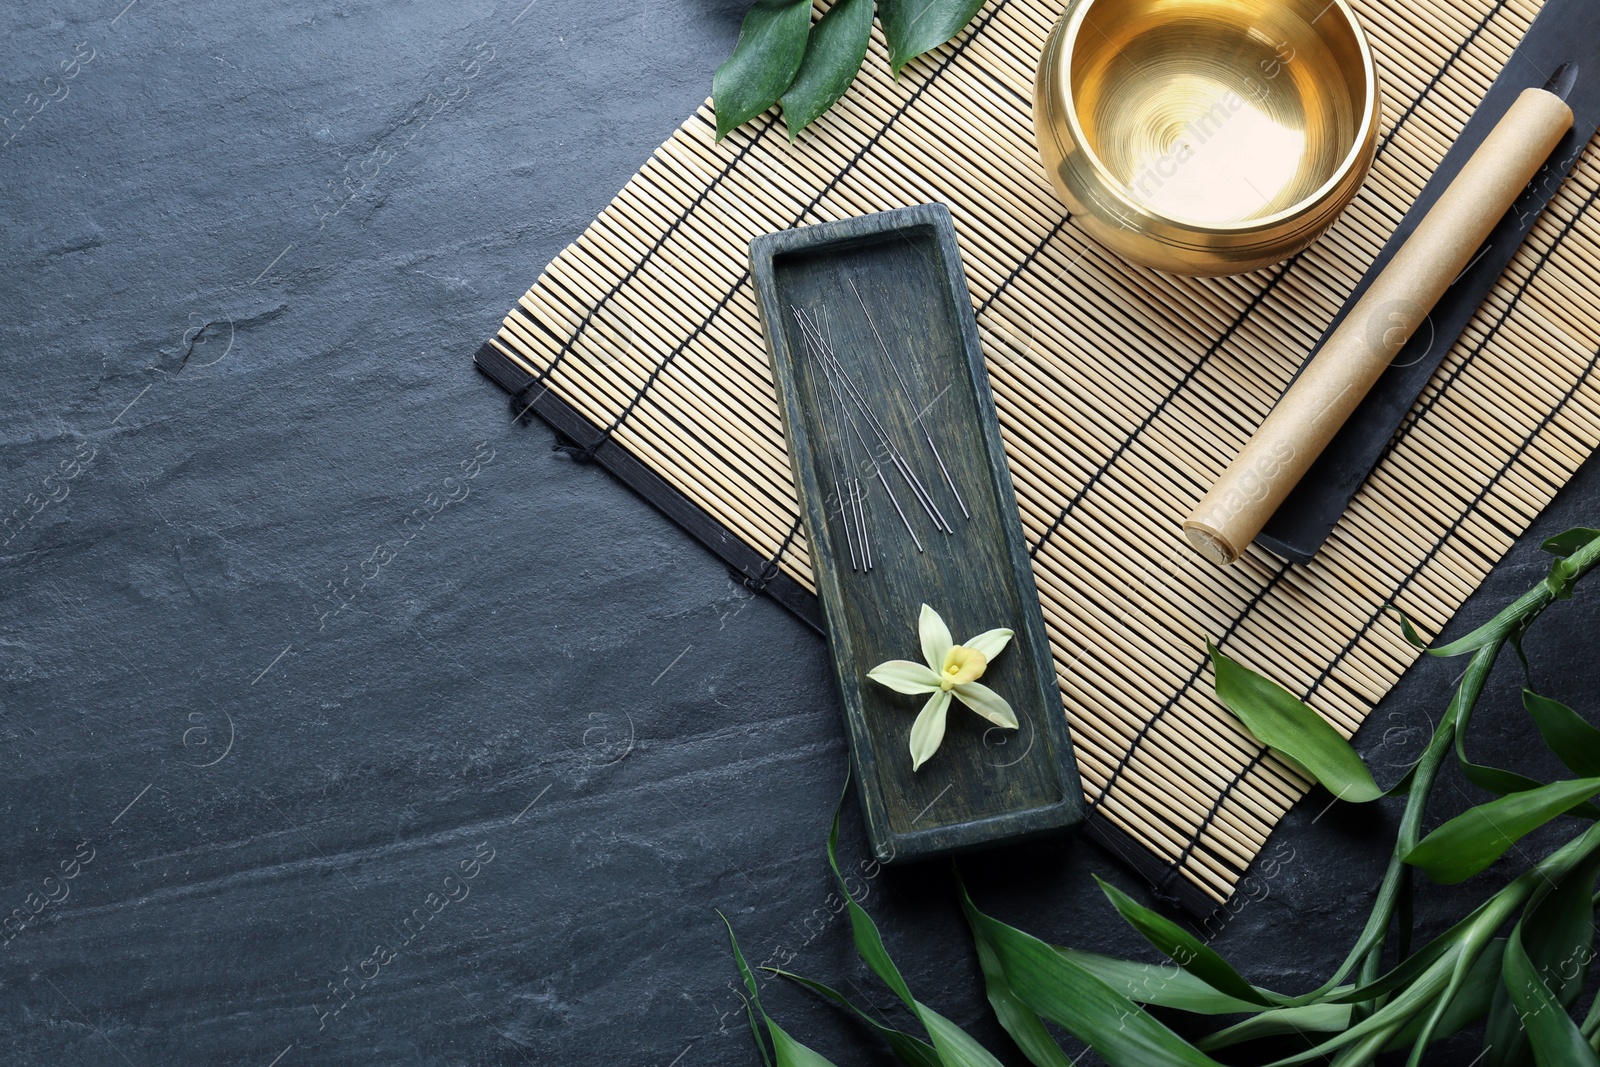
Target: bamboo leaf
<point x="1555" y="1038"/>
<point x="1407" y="630"/>
<point x="1505" y="1042"/>
<point x="910" y="1050"/>
<point x="790" y="1053"/>
<point x="1383" y="1023"/>
<point x="752" y="1004"/>
<point x="1494" y="780"/>
<point x="913" y="27"/>
<point x="1476" y="838"/>
<point x="1558" y="933"/>
<point x="1018" y="1020"/>
<point x="1288" y="727"/>
<point x="1465" y="963"/>
<point x="955" y="1048"/>
<point x="834" y="51"/>
<point x="1504" y="783"/>
<point x="772" y="43"/>
<point x="1570" y="737"/>
<point x="1567" y="542"/>
<point x="1048" y="982"/>
<point x="869" y="942"/>
<point x="1467" y="1006"/>
<point x="1413" y="965"/>
<point x="1508" y="621"/>
<point x="1558" y="938"/>
<point x="1309" y="1017"/>
<point x="1164" y="986"/>
<point x="1183" y="948"/>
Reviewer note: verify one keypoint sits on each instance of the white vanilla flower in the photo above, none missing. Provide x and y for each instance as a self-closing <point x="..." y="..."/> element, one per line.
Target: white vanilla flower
<point x="950" y="669"/>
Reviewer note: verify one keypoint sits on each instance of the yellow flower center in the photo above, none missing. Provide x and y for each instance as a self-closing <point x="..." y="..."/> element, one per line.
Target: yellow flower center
<point x="961" y="664"/>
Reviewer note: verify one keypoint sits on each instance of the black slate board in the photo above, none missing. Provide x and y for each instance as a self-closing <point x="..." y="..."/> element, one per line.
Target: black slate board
<point x="985" y="785"/>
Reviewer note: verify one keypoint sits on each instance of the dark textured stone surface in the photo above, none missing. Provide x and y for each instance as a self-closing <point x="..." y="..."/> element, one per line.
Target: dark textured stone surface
<point x="232" y="561"/>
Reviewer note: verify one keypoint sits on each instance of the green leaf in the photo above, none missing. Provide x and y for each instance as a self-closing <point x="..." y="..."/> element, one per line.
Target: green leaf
<point x="1413" y="638"/>
<point x="791" y="1053"/>
<point x="772" y="42"/>
<point x="1466" y="962"/>
<point x="1289" y="728"/>
<point x="1504" y="783"/>
<point x="1566" y="543"/>
<point x="785" y="1050"/>
<point x="955" y="1047"/>
<point x="834" y="53"/>
<point x="1514" y="616"/>
<point x="752" y="1004"/>
<point x="1160" y="985"/>
<point x="913" y="27"/>
<point x="1555" y="1038"/>
<point x="1558" y="933"/>
<point x="912" y="1051"/>
<point x="1379" y="1027"/>
<point x="1505" y="1042"/>
<point x="1050" y="984"/>
<point x="1476" y="838"/>
<point x="1309" y="1017"/>
<point x="1494" y="780"/>
<point x="1183" y="948"/>
<point x="869" y="942"/>
<point x="1467" y="1006"/>
<point x="1018" y="1020"/>
<point x="1572" y="739"/>
<point x="1558" y="940"/>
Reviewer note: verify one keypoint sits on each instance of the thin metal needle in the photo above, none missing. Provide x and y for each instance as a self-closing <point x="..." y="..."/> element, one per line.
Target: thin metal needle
<point x="877" y="469"/>
<point x="861" y="516"/>
<point x="905" y="386"/>
<point x="895" y="456"/>
<point x="833" y="465"/>
<point x="857" y="496"/>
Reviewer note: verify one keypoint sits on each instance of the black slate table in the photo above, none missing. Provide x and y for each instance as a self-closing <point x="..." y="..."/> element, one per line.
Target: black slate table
<point x="373" y="730"/>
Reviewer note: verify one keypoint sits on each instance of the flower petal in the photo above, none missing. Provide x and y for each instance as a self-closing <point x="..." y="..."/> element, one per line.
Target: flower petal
<point x="935" y="637"/>
<point x="991" y="642"/>
<point x="904" y="676"/>
<point x="928" y="730"/>
<point x="986" y="702"/>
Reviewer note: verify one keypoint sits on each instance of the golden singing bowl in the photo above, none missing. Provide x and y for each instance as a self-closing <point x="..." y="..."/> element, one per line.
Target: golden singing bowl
<point x="1207" y="136"/>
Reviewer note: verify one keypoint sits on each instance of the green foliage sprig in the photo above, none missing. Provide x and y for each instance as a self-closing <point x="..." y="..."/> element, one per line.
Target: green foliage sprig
<point x="782" y="57"/>
<point x="1519" y="960"/>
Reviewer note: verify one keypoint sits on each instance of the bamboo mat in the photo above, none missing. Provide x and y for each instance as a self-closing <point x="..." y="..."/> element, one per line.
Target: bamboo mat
<point x="1122" y="394"/>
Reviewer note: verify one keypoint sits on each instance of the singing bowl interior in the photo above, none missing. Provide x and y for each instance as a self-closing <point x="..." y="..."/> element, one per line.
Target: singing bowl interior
<point x="1219" y="113"/>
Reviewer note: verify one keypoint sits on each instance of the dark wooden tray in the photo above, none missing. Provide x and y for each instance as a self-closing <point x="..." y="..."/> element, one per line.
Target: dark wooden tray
<point x="985" y="785"/>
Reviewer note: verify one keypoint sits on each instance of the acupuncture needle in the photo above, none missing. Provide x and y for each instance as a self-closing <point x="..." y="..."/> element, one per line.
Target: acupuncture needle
<point x="833" y="463"/>
<point x="857" y="495"/>
<point x="876" y="467"/>
<point x="860" y="494"/>
<point x="878" y="470"/>
<point x="895" y="456"/>
<point x="854" y="498"/>
<point x="906" y="388"/>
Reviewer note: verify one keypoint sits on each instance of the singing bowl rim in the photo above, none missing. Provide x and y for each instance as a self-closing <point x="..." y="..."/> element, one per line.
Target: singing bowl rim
<point x="1358" y="157"/>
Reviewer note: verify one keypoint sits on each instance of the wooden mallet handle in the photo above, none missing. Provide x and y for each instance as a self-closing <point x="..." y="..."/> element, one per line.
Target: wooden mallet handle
<point x="1230" y="516"/>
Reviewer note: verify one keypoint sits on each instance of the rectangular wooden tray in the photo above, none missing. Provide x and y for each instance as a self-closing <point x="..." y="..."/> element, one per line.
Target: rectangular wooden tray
<point x="986" y="785"/>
